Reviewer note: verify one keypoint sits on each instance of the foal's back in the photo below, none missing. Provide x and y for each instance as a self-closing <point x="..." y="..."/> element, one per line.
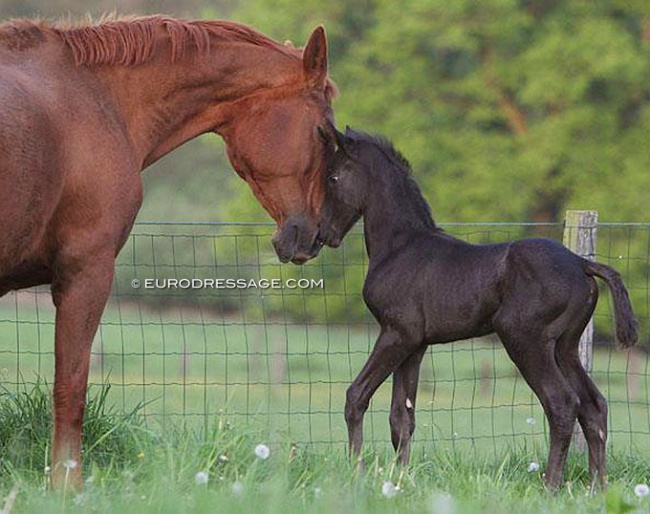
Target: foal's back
<point x="441" y="289"/>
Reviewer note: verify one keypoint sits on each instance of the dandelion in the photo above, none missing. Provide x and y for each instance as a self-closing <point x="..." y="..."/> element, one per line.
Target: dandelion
<point x="223" y="458"/>
<point x="201" y="478"/>
<point x="237" y="488"/>
<point x="641" y="490"/>
<point x="388" y="489"/>
<point x="533" y="466"/>
<point x="262" y="451"/>
<point x="70" y="464"/>
<point x="531" y="421"/>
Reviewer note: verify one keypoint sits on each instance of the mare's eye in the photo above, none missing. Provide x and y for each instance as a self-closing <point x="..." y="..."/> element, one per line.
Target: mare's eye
<point x="333" y="179"/>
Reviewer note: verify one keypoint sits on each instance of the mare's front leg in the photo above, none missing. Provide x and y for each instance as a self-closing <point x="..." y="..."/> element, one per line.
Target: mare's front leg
<point x="402" y="407"/>
<point x="80" y="291"/>
<point x="389" y="352"/>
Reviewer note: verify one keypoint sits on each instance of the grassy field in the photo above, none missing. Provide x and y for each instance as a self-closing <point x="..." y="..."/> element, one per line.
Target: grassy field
<point x="208" y="386"/>
<point x="290" y="379"/>
<point x="218" y="471"/>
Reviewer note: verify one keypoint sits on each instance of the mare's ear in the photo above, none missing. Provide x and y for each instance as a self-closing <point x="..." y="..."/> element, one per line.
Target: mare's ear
<point x="314" y="58"/>
<point x="327" y="133"/>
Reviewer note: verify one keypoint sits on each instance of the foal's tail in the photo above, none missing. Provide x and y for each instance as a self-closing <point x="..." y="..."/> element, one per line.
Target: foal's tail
<point x="626" y="324"/>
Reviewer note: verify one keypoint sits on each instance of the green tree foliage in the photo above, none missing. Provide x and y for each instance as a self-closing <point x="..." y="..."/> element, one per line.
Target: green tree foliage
<point x="509" y="110"/>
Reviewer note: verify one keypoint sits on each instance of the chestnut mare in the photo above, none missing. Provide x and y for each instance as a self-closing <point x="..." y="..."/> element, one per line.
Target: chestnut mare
<point x="84" y="109"/>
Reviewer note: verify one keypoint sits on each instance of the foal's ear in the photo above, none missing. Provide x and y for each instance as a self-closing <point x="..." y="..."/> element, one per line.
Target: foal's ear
<point x="344" y="143"/>
<point x="314" y="58"/>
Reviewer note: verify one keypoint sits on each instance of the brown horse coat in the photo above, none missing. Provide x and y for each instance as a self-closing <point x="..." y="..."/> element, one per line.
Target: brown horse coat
<point x="84" y="109"/>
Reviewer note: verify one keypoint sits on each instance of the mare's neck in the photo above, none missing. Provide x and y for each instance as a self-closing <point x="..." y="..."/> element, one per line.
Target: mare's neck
<point x="395" y="213"/>
<point x="164" y="104"/>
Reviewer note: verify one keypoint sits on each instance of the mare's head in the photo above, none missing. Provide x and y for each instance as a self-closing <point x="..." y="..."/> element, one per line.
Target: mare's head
<point x="275" y="144"/>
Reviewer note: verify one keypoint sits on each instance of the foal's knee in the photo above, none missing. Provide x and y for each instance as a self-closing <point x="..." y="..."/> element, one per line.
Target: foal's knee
<point x="402" y="426"/>
<point x="563" y="410"/>
<point x="354" y="408"/>
<point x="402" y="417"/>
<point x="596" y="422"/>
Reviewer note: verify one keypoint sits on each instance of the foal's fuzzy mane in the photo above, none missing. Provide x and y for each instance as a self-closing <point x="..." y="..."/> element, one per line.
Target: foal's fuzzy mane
<point x="401" y="166"/>
<point x="131" y="40"/>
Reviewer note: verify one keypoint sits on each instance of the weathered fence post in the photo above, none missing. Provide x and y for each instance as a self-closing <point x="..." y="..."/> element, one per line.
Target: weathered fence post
<point x="580" y="231"/>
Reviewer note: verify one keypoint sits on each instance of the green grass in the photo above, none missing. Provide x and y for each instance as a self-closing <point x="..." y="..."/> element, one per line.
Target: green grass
<point x="161" y="478"/>
<point x="191" y="365"/>
<point x="190" y="386"/>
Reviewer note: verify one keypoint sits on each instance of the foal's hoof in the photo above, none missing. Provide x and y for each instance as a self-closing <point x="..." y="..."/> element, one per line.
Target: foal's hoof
<point x="553" y="486"/>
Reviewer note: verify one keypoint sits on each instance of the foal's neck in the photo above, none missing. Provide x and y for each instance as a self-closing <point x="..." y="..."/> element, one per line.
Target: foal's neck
<point x="395" y="212"/>
<point x="164" y="103"/>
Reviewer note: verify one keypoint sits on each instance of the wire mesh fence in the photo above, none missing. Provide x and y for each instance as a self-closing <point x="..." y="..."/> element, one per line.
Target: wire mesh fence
<point x="278" y="348"/>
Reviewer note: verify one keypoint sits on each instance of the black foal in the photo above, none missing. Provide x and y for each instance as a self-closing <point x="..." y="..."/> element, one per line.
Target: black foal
<point x="426" y="287"/>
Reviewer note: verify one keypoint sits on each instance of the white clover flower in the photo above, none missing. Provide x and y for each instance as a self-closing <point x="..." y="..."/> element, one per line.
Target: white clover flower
<point x="262" y="451"/>
<point x="47" y="470"/>
<point x="81" y="499"/>
<point x="641" y="490"/>
<point x="70" y="464"/>
<point x="442" y="503"/>
<point x="201" y="478"/>
<point x="318" y="492"/>
<point x="531" y="421"/>
<point x="388" y="489"/>
<point x="223" y="458"/>
<point x="238" y="488"/>
<point x="533" y="466"/>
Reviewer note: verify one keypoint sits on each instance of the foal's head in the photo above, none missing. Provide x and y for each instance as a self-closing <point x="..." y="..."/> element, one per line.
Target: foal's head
<point x="366" y="176"/>
<point x="275" y="145"/>
<point x="352" y="168"/>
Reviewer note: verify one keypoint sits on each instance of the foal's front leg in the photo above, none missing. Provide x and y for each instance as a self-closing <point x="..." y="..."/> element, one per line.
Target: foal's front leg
<point x="402" y="407"/>
<point x="389" y="352"/>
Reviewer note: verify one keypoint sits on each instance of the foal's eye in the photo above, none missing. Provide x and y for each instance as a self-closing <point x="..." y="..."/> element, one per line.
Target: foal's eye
<point x="333" y="179"/>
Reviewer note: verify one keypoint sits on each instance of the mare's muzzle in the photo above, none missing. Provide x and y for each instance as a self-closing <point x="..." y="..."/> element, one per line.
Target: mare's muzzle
<point x="297" y="240"/>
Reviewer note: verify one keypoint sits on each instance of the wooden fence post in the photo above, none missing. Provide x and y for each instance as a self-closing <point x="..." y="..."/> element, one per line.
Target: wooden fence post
<point x="580" y="234"/>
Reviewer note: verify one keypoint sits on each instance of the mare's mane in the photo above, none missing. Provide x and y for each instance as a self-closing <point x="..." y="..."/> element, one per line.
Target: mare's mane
<point x="131" y="40"/>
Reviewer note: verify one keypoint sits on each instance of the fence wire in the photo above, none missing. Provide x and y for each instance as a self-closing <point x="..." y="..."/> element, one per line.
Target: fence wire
<point x="280" y="359"/>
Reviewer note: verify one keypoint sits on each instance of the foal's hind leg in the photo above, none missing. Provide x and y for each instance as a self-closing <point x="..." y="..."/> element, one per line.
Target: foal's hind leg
<point x="592" y="414"/>
<point x="402" y="408"/>
<point x="533" y="353"/>
<point x="389" y="352"/>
